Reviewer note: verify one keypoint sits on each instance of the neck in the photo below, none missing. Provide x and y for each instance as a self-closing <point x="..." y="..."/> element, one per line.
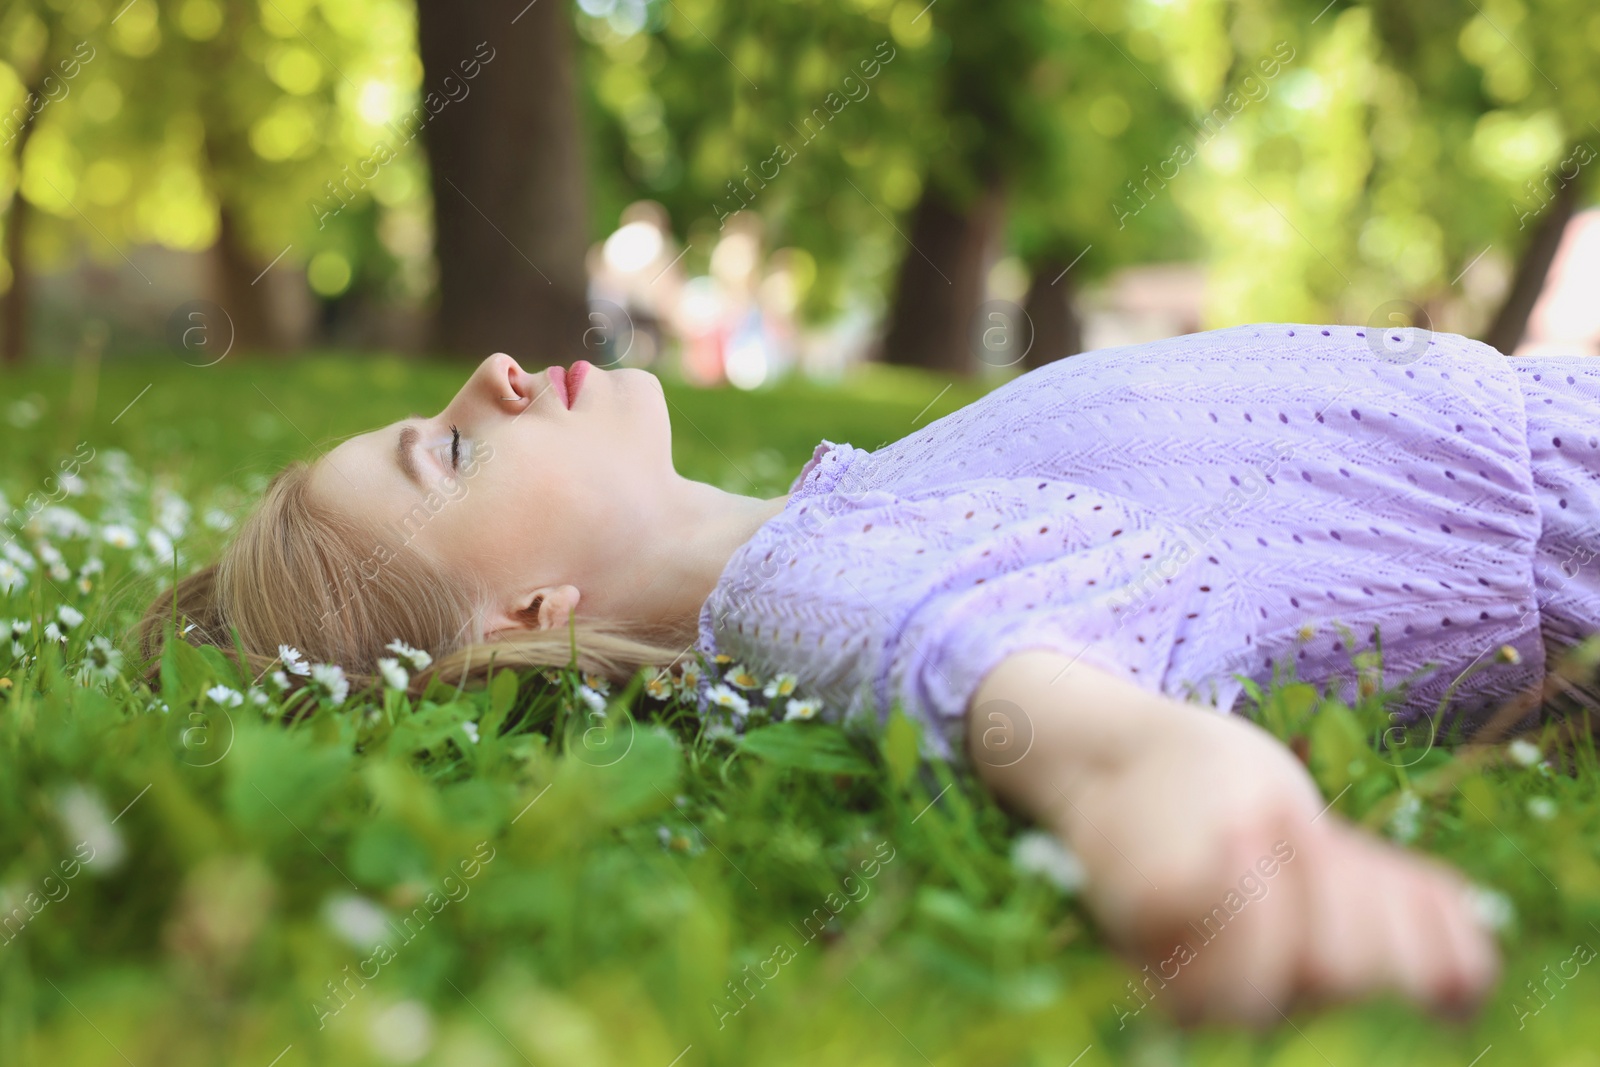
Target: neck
<point x="701" y="529"/>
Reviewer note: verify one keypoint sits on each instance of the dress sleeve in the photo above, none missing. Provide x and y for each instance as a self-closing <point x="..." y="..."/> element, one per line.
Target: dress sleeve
<point x="1095" y="577"/>
<point x="873" y="598"/>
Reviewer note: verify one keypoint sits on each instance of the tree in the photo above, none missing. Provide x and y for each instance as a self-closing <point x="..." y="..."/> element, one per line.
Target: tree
<point x="941" y="280"/>
<point x="815" y="116"/>
<point x="41" y="56"/>
<point x="1533" y="266"/>
<point x="982" y="97"/>
<point x="902" y="147"/>
<point x="1501" y="76"/>
<point x="511" y="222"/>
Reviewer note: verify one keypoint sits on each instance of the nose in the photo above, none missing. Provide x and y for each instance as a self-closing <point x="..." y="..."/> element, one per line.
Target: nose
<point x="499" y="384"/>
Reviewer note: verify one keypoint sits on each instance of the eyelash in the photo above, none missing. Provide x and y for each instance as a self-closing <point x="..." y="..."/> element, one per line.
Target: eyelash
<point x="455" y="448"/>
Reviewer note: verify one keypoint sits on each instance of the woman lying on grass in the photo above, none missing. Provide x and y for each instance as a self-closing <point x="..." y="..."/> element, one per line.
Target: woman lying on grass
<point x="1053" y="580"/>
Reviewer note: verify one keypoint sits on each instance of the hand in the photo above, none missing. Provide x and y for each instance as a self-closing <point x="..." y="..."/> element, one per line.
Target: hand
<point x="1210" y="860"/>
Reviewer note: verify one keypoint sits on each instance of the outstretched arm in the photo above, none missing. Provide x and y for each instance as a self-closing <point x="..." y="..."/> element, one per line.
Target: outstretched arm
<point x="1210" y="856"/>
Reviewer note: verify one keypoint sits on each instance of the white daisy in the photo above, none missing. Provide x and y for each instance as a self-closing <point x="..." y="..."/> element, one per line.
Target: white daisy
<point x="85" y="819"/>
<point x="1525" y="752"/>
<point x="597" y="683"/>
<point x="689" y="681"/>
<point x="595" y="700"/>
<point x="1491" y="907"/>
<point x="92" y="566"/>
<point x="1542" y="808"/>
<point x="1040" y="853"/>
<point x="293" y="661"/>
<point x="801" y="709"/>
<point x="217" y="519"/>
<point x="69" y="615"/>
<point x="62" y="521"/>
<point x="173" y="516"/>
<point x="659" y="686"/>
<point x="1403" y="823"/>
<point x="781" y="686"/>
<point x="361" y="923"/>
<point x="724" y="697"/>
<point x="228" y="698"/>
<point x="258" y="697"/>
<point x="52" y="632"/>
<point x="394" y="675"/>
<point x="119" y="536"/>
<point x="102" y="661"/>
<point x="742" y="677"/>
<point x="161" y="546"/>
<point x="280" y="680"/>
<point x="16" y="630"/>
<point x="471" y="730"/>
<point x="11" y="579"/>
<point x="329" y="680"/>
<point x="117" y="461"/>
<point x="60" y="572"/>
<point x="23" y="413"/>
<point x="20" y="556"/>
<point x="415" y="658"/>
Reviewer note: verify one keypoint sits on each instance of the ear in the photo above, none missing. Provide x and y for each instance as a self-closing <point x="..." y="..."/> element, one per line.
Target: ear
<point x="545" y="608"/>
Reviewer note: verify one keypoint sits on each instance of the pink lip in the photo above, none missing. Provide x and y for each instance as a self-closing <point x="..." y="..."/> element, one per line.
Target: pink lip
<point x="573" y="380"/>
<point x="558" y="384"/>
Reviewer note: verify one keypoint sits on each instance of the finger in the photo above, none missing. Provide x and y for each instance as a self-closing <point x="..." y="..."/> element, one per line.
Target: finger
<point x="1339" y="948"/>
<point x="1274" y="942"/>
<point x="1410" y="929"/>
<point x="1429" y="908"/>
<point x="1474" y="953"/>
<point x="1249" y="965"/>
<point x="1368" y="926"/>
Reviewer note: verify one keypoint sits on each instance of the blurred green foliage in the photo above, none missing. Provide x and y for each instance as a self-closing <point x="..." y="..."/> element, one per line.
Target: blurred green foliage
<point x="1389" y="147"/>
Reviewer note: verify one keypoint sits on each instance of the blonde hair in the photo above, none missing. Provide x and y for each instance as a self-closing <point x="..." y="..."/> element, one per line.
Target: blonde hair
<point x="299" y="574"/>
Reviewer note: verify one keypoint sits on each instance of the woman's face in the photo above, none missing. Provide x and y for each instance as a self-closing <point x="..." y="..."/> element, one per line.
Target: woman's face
<point x="534" y="498"/>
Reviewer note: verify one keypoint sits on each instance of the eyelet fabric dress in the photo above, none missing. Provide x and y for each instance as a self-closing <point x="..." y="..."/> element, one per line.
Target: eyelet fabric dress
<point x="1188" y="510"/>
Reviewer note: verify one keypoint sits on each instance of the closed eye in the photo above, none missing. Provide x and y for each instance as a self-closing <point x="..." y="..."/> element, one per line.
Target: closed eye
<point x="455" y="448"/>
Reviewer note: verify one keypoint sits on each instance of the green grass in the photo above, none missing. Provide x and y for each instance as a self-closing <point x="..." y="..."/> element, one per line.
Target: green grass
<point x="596" y="892"/>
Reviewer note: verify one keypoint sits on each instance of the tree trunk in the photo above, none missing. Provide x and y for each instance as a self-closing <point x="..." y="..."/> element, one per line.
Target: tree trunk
<point x="510" y="211"/>
<point x="1051" y="308"/>
<point x="941" y="282"/>
<point x="1505" y="333"/>
<point x="15" y="309"/>
<point x="235" y="281"/>
<point x="234" y="278"/>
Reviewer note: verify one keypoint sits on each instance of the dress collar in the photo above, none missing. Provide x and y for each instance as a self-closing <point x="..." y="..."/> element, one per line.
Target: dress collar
<point x="823" y="470"/>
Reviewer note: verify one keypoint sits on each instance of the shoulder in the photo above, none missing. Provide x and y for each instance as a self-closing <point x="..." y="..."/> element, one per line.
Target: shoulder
<point x="865" y="559"/>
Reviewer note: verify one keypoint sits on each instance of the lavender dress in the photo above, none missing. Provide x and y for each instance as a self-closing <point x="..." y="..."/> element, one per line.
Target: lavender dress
<point x="1188" y="510"/>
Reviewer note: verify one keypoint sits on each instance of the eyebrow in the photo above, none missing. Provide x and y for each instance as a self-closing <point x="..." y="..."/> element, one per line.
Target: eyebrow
<point x="409" y="436"/>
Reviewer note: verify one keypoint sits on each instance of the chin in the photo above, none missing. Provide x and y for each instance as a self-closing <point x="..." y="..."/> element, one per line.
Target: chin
<point x="646" y="403"/>
<point x="640" y="389"/>
<point x="636" y="373"/>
